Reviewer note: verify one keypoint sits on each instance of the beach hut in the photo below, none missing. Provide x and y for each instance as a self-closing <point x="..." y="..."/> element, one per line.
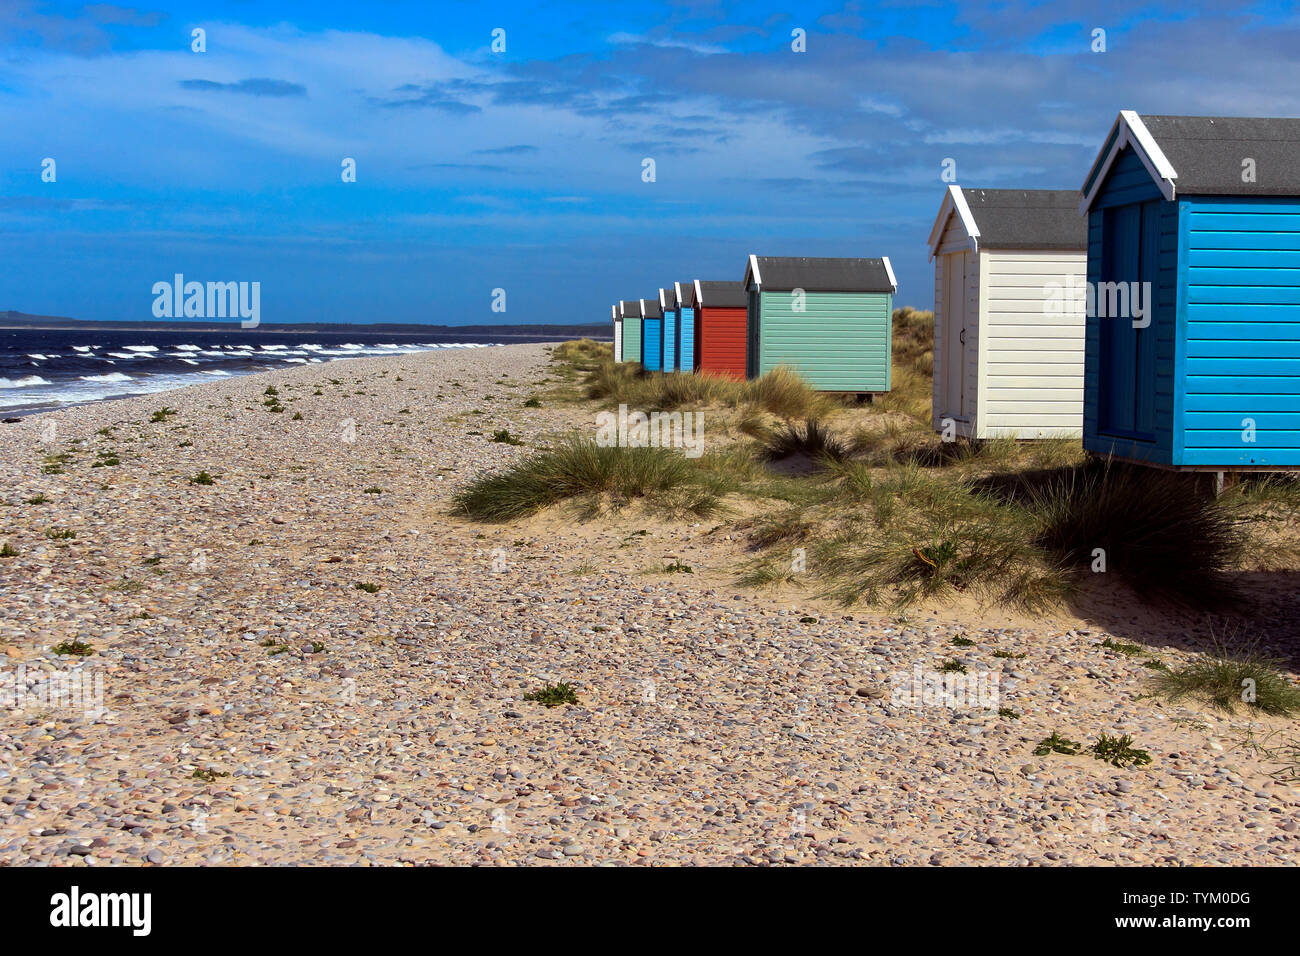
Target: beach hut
<point x="685" y="323"/>
<point x="1192" y="344"/>
<point x="618" y="334"/>
<point x="652" y="335"/>
<point x="828" y="319"/>
<point x="630" y="309"/>
<point x="1008" y="340"/>
<point x="720" y="328"/>
<point x="668" y="303"/>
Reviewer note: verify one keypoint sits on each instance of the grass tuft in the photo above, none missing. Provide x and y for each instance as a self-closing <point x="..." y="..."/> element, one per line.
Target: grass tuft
<point x="781" y="392"/>
<point x="579" y="468"/>
<point x="1230" y="677"/>
<point x="813" y="441"/>
<point x="502" y="436"/>
<point x="1152" y="528"/>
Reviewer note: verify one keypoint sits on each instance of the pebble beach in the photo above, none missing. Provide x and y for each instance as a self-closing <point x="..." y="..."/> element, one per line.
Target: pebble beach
<point x="307" y="659"/>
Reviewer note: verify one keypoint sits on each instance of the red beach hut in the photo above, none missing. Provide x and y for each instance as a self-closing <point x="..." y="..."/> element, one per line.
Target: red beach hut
<point x="720" y="328"/>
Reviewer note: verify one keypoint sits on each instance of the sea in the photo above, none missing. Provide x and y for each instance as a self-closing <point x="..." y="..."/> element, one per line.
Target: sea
<point x="44" y="369"/>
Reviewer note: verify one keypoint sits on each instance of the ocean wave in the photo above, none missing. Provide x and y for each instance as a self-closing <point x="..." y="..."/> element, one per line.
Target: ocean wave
<point x="36" y="381"/>
<point x="27" y="382"/>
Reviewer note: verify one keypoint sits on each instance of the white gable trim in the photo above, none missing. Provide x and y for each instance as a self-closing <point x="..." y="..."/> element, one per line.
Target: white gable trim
<point x="1130" y="131"/>
<point x="699" y="295"/>
<point x="663" y="299"/>
<point x="954" y="202"/>
<point x="890" y="270"/>
<point x="677" y="287"/>
<point x="752" y="270"/>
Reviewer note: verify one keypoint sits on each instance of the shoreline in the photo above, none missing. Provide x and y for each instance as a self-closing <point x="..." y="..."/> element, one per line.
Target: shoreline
<point x="307" y="658"/>
<point x="23" y="411"/>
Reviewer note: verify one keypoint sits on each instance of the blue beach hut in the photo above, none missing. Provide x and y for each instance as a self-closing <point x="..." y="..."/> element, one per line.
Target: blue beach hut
<point x="1192" y="341"/>
<point x="685" y="325"/>
<point x="652" y="335"/>
<point x="668" y="303"/>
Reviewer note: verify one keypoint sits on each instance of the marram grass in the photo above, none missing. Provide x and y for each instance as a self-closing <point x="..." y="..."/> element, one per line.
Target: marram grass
<point x="579" y="468"/>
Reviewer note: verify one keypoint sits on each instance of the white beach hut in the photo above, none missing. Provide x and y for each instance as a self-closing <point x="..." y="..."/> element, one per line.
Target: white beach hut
<point x="618" y="333"/>
<point x="1009" y="270"/>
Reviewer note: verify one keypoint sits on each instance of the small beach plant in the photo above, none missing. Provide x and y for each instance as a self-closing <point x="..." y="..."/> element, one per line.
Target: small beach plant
<point x="553" y="695"/>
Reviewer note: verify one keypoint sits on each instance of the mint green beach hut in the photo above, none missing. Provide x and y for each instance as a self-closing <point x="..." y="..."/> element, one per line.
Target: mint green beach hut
<point x="630" y="310"/>
<point x="830" y="320"/>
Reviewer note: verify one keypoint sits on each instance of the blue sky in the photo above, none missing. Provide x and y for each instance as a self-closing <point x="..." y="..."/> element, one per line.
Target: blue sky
<point x="522" y="170"/>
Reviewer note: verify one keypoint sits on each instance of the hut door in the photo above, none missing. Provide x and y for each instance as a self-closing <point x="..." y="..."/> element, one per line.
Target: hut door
<point x="1130" y="256"/>
<point x="954" y="334"/>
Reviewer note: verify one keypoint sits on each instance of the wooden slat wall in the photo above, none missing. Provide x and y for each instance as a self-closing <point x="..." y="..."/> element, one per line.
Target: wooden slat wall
<point x="722" y="341"/>
<point x="631" y="340"/>
<point x="652" y="343"/>
<point x="669" y="359"/>
<point x="1032" y="361"/>
<point x="686" y="340"/>
<point x="1240" y="354"/>
<point x="839" y="343"/>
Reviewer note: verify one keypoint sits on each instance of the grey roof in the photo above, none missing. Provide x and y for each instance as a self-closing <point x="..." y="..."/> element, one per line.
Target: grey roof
<point x="723" y="294"/>
<point x="631" y="308"/>
<point x="687" y="299"/>
<point x="653" y="309"/>
<point x="822" y="275"/>
<point x="1207" y="153"/>
<point x="1027" y="218"/>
